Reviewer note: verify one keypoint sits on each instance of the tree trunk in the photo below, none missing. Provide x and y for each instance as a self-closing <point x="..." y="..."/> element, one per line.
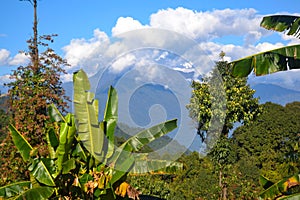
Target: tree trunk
<point x="35" y="50"/>
<point x="223" y="186"/>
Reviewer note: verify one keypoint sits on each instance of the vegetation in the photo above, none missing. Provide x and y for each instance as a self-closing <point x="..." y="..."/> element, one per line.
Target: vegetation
<point x="76" y="156"/>
<point x="238" y="105"/>
<point x="33" y="88"/>
<point x="83" y="162"/>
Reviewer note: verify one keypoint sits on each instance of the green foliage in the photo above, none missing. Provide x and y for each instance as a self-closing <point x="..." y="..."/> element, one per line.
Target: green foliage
<point x="281" y="188"/>
<point x="268" y="62"/>
<point x="270" y="140"/>
<point x="216" y="107"/>
<point x="281" y="23"/>
<point x="238" y="104"/>
<point x="280" y="59"/>
<point x="74" y="171"/>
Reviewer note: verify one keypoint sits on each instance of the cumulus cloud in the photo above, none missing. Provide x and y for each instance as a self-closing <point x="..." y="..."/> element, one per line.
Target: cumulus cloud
<point x="19" y="59"/>
<point x="125" y="24"/>
<point x="208" y="25"/>
<point x="195" y="37"/>
<point x="7" y="60"/>
<point x="86" y="52"/>
<point x="4" y="56"/>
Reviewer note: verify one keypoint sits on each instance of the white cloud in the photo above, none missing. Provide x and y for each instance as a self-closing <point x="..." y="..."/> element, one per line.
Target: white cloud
<point x="125" y="24"/>
<point x="4" y="56"/>
<point x="7" y="60"/>
<point x="86" y="52"/>
<point x="19" y="59"/>
<point x="123" y="62"/>
<point x="174" y="30"/>
<point x="208" y="25"/>
<point x="5" y="79"/>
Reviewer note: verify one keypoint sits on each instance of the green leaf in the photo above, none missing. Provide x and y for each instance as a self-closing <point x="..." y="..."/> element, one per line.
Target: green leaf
<point x="66" y="138"/>
<point x="21" y="143"/>
<point x="264" y="182"/>
<point x="156" y="166"/>
<point x="37" y="193"/>
<point x="268" y="62"/>
<point x="54" y="114"/>
<point x="288" y="23"/>
<point x="41" y="173"/>
<point x="136" y="142"/>
<point x="123" y="157"/>
<point x="111" y="117"/>
<point x="280" y="187"/>
<point x="52" y="141"/>
<point x="290" y="197"/>
<point x="14" y="189"/>
<point x="86" y="114"/>
<point x="68" y="166"/>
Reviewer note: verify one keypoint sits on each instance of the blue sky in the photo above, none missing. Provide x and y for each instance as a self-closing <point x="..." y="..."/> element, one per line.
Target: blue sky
<point x="82" y="25"/>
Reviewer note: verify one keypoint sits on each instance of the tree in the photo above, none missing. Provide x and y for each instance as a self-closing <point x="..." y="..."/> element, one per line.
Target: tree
<point x="270" y="140"/>
<point x="33" y="88"/>
<point x="36" y="86"/>
<point x="240" y="106"/>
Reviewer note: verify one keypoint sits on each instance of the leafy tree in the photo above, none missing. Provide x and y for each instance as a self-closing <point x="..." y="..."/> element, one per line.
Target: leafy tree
<point x="240" y="106"/>
<point x="270" y="140"/>
<point x="34" y="87"/>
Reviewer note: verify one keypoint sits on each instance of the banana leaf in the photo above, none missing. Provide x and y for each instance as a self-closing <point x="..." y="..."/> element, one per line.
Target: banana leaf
<point x="38" y="193"/>
<point x="280" y="187"/>
<point x="281" y="59"/>
<point x="42" y="174"/>
<point x="110" y="118"/>
<point x="290" y="197"/>
<point x="288" y="23"/>
<point x="264" y="182"/>
<point x="86" y="115"/>
<point x="123" y="158"/>
<point x="14" y="189"/>
<point x="156" y="166"/>
<point x="66" y="137"/>
<point x="21" y="143"/>
<point x="52" y="142"/>
<point x="54" y="114"/>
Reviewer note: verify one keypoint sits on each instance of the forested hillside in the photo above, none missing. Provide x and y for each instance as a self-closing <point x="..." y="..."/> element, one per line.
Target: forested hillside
<point x="267" y="146"/>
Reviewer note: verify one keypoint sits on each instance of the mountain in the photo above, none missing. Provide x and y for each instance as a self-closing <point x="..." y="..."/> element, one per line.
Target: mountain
<point x="275" y="94"/>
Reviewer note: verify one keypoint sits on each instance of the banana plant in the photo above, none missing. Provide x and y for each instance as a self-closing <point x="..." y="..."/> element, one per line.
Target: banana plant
<point x="288" y="23"/>
<point x="83" y="162"/>
<point x="279" y="190"/>
<point x="281" y="59"/>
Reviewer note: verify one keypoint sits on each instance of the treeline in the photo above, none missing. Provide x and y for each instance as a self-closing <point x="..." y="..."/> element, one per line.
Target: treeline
<point x="267" y="146"/>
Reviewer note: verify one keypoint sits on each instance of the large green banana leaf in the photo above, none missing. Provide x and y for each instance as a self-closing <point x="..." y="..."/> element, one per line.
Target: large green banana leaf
<point x="86" y="115"/>
<point x="21" y="143"/>
<point x="39" y="170"/>
<point x="156" y="166"/>
<point x="281" y="59"/>
<point x="41" y="173"/>
<point x="14" y="189"/>
<point x="280" y="187"/>
<point x="110" y="119"/>
<point x="288" y="23"/>
<point x="123" y="159"/>
<point x="38" y="193"/>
